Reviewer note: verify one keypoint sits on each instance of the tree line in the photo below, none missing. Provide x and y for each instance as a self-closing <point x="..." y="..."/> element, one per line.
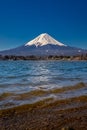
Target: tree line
<point x="50" y="57"/>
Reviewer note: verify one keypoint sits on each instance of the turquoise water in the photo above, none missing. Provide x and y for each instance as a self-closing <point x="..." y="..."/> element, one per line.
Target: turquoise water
<point x="21" y="77"/>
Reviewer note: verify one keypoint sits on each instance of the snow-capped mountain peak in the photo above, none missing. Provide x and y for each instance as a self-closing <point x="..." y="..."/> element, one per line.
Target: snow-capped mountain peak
<point x="44" y="39"/>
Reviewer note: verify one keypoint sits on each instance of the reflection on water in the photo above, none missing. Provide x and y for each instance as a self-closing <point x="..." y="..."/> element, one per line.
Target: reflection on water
<point x="19" y="77"/>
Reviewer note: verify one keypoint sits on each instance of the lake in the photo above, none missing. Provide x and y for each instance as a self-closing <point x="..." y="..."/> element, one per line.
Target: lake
<point x="23" y="82"/>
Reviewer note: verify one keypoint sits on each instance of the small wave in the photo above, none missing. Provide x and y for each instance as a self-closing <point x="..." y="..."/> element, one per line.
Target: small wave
<point x="30" y="94"/>
<point x="69" y="88"/>
<point x="41" y="92"/>
<point x="5" y="95"/>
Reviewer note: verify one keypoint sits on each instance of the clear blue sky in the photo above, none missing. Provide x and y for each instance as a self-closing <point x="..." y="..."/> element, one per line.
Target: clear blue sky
<point x="23" y="20"/>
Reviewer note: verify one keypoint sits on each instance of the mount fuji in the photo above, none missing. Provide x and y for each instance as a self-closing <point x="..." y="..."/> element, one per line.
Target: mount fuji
<point x="44" y="45"/>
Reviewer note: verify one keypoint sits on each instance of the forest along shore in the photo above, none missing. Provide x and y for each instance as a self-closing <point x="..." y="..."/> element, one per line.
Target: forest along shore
<point x="51" y="57"/>
<point x="63" y="114"/>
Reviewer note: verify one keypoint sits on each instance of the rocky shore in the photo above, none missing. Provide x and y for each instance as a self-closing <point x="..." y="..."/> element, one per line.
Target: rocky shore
<point x="69" y="114"/>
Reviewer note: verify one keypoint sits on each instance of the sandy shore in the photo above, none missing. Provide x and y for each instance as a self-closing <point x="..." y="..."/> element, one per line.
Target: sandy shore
<point x="42" y="115"/>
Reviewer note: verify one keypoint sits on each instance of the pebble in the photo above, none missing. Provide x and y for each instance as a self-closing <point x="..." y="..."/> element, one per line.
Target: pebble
<point x="67" y="128"/>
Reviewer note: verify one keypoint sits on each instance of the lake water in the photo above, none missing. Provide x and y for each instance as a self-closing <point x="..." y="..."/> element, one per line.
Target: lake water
<point x="20" y="79"/>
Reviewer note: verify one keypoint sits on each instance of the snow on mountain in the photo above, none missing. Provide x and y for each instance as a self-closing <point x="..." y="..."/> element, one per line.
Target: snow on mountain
<point x="44" y="39"/>
<point x="44" y="45"/>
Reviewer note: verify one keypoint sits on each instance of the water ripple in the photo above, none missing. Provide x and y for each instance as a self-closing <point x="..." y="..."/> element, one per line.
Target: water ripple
<point x="24" y="76"/>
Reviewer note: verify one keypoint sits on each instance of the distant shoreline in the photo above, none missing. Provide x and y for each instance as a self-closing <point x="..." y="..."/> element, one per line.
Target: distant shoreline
<point x="51" y="57"/>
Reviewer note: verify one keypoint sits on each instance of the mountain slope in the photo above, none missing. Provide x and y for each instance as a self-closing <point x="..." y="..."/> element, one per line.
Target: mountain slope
<point x="44" y="45"/>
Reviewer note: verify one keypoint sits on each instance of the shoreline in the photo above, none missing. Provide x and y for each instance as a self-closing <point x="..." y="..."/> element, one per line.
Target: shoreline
<point x="49" y="95"/>
<point x="55" y="115"/>
<point x="50" y="57"/>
